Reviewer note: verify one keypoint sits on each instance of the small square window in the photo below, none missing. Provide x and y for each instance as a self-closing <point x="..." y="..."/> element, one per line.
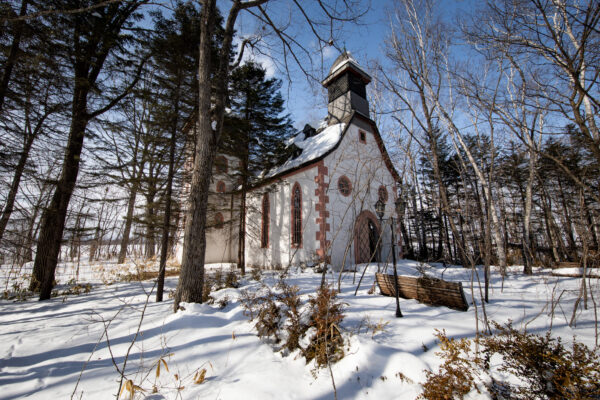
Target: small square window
<point x="221" y="165"/>
<point x="362" y="136"/>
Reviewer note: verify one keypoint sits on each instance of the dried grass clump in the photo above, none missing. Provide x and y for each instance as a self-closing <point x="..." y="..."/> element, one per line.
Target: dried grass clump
<point x="326" y="313"/>
<point x="456" y="376"/>
<point x="312" y="329"/>
<point x="548" y="370"/>
<point x="295" y="327"/>
<point x="256" y="274"/>
<point x="265" y="310"/>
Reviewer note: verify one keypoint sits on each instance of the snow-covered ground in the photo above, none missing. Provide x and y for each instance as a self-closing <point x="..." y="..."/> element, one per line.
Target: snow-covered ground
<point x="68" y="347"/>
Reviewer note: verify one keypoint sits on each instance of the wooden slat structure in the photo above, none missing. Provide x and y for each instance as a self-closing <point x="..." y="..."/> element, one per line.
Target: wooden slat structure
<point x="427" y="290"/>
<point x="567" y="264"/>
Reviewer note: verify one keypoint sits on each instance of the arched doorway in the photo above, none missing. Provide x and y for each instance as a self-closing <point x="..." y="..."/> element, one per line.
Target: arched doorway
<point x="366" y="238"/>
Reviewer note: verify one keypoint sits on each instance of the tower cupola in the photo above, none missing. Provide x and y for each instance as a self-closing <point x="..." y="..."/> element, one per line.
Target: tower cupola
<point x="346" y="88"/>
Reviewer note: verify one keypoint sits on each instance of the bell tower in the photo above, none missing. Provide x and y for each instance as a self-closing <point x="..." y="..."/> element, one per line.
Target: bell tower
<point x="346" y="87"/>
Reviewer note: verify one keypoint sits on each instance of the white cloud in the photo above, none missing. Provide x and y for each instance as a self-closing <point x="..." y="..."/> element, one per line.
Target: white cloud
<point x="265" y="60"/>
<point x="329" y="52"/>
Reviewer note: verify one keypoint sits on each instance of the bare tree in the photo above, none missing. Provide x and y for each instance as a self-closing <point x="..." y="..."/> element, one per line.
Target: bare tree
<point x="211" y="105"/>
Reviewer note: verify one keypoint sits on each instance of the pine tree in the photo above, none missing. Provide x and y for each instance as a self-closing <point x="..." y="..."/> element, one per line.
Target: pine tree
<point x="175" y="60"/>
<point x="256" y="131"/>
<point x="93" y="44"/>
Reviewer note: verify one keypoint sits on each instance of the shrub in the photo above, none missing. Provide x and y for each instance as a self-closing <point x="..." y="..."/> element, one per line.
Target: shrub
<point x="231" y="279"/>
<point x="217" y="280"/>
<point x="456" y="376"/>
<point x="276" y="313"/>
<point x="265" y="311"/>
<point x="549" y="370"/>
<point x="295" y="328"/>
<point x="256" y="274"/>
<point x="206" y="289"/>
<point x="326" y="313"/>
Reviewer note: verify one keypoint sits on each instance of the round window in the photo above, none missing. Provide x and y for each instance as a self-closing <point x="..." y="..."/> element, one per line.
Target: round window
<point x="344" y="186"/>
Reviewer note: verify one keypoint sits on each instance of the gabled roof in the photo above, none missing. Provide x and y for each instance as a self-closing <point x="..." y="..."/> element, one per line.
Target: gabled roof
<point x="317" y="147"/>
<point x="309" y="148"/>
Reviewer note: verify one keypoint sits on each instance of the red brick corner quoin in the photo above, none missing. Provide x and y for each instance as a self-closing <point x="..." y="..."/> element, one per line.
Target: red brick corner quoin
<point x="321" y="210"/>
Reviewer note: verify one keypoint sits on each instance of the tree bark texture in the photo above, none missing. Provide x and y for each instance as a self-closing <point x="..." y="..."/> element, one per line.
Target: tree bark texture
<point x="191" y="279"/>
<point x="53" y="217"/>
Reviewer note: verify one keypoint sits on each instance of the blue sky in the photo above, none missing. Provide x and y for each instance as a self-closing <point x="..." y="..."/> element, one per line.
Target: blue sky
<point x="305" y="99"/>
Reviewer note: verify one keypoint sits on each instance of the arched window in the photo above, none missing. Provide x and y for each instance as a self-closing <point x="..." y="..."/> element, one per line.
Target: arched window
<point x="266" y="212"/>
<point x="219" y="220"/>
<point x="220" y="187"/>
<point x="296" y="216"/>
<point x="344" y="186"/>
<point x="221" y="165"/>
<point x="383" y="194"/>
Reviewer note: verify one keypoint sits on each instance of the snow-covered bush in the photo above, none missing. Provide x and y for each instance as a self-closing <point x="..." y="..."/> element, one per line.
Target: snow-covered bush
<point x="326" y="313"/>
<point x="312" y="328"/>
<point x="531" y="366"/>
<point x="548" y="369"/>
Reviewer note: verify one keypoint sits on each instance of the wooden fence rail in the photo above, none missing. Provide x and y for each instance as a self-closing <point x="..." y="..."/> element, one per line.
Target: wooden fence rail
<point x="431" y="291"/>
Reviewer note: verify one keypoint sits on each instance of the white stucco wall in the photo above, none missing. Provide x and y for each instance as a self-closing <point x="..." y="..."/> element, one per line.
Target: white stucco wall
<point x="280" y="252"/>
<point x="363" y="164"/>
<point x="221" y="242"/>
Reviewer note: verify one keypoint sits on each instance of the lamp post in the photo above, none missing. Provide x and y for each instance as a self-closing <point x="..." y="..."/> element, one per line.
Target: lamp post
<point x="380" y="210"/>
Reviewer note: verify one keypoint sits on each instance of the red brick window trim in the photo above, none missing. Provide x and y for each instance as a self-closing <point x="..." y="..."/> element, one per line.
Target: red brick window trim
<point x="362" y="136"/>
<point x="221" y="165"/>
<point x="296" y="216"/>
<point x="266" y="213"/>
<point x="344" y="186"/>
<point x="382" y="194"/>
<point x="220" y="187"/>
<point x="219" y="220"/>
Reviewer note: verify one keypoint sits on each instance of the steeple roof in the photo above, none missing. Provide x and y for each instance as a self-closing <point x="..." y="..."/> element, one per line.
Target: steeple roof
<point x="345" y="62"/>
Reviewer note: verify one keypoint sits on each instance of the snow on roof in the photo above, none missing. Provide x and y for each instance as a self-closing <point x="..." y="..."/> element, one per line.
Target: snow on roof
<point x="341" y="61"/>
<point x="312" y="148"/>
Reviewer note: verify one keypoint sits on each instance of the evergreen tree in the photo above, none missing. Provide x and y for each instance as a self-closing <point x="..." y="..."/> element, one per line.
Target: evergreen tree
<point x="255" y="131"/>
<point x="175" y="60"/>
<point x="97" y="50"/>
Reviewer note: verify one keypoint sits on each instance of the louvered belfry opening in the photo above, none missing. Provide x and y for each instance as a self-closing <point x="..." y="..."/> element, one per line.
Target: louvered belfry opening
<point x="296" y="216"/>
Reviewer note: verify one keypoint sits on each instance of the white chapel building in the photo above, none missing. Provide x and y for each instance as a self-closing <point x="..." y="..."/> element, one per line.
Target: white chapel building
<point x="320" y="204"/>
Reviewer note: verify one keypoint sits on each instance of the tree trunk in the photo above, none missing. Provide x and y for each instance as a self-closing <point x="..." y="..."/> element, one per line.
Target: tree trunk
<point x="12" y="55"/>
<point x="191" y="279"/>
<point x="128" y="223"/>
<point x="166" y="228"/>
<point x="150" y="242"/>
<point x="53" y="218"/>
<point x="552" y="240"/>
<point x="14" y="187"/>
<point x="568" y="225"/>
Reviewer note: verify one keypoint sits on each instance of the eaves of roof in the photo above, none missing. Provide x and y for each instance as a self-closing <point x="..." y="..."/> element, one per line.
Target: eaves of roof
<point x="306" y="165"/>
